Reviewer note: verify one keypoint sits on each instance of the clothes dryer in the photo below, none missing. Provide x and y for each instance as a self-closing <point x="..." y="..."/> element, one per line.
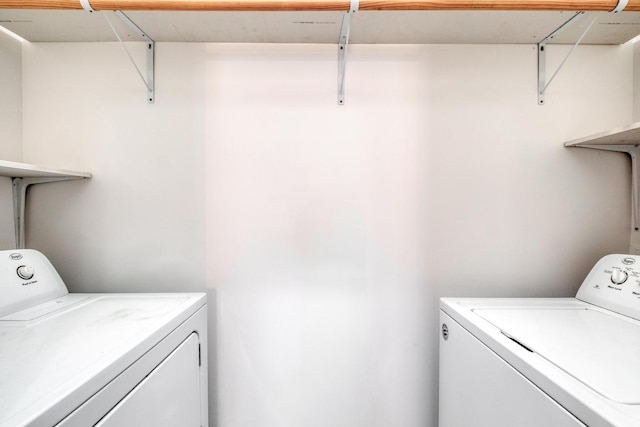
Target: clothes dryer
<point x="97" y="359"/>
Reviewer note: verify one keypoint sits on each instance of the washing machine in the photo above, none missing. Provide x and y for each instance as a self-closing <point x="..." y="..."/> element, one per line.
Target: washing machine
<point x="545" y="361"/>
<point x="97" y="359"/>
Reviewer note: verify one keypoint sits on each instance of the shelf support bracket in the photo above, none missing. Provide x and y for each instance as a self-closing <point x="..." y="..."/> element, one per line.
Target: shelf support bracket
<point x="342" y="47"/>
<point x="542" y="83"/>
<point x="19" y="188"/>
<point x="634" y="152"/>
<point x="149" y="81"/>
<point x="542" y="65"/>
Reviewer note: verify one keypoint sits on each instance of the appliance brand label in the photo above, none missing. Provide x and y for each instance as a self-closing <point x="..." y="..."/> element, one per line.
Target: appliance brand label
<point x="628" y="261"/>
<point x="15" y="256"/>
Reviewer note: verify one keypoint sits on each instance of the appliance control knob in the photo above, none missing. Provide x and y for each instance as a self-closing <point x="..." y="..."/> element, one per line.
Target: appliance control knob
<point x="618" y="277"/>
<point x="25" y="272"/>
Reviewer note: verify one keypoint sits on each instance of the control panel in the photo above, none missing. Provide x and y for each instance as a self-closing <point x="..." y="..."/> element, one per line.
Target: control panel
<point x="27" y="278"/>
<point x="614" y="284"/>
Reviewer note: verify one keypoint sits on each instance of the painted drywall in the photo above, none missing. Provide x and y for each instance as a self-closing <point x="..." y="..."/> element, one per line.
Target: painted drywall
<point x="138" y="223"/>
<point x="10" y="127"/>
<point x="636" y="82"/>
<point x="11" y="99"/>
<point x="325" y="234"/>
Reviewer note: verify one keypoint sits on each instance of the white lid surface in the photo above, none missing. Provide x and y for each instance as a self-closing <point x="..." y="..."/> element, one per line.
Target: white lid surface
<point x="600" y="350"/>
<point x="44" y="360"/>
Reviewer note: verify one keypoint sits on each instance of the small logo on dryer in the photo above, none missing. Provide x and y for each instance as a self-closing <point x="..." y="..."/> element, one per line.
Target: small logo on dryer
<point x="628" y="261"/>
<point x="15" y="256"/>
<point x="445" y="331"/>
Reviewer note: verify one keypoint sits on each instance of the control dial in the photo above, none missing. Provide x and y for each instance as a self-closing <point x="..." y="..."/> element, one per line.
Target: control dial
<point x="618" y="277"/>
<point x="25" y="272"/>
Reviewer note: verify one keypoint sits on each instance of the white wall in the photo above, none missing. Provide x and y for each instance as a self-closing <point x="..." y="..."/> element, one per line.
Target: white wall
<point x="327" y="233"/>
<point x="10" y="126"/>
<point x="636" y="82"/>
<point x="11" y="99"/>
<point x="138" y="224"/>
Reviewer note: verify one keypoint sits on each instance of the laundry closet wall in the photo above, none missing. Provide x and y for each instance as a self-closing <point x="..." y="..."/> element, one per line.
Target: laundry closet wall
<point x="10" y="127"/>
<point x="324" y="234"/>
<point x="11" y="99"/>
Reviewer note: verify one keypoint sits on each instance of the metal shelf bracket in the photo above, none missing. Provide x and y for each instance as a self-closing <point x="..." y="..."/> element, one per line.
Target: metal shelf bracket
<point x="19" y="187"/>
<point x="342" y="47"/>
<point x="542" y="83"/>
<point x="542" y="64"/>
<point x="634" y="152"/>
<point x="149" y="81"/>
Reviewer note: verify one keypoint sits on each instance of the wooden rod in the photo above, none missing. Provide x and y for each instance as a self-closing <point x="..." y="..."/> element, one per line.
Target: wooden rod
<point x="514" y="5"/>
<point x="223" y="5"/>
<point x="322" y="5"/>
<point x="40" y="4"/>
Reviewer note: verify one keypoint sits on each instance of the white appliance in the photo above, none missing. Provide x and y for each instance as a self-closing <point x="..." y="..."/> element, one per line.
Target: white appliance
<point x="547" y="361"/>
<point x="97" y="359"/>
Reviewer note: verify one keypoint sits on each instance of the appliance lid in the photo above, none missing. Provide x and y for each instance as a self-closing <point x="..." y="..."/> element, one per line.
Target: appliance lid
<point x="598" y="349"/>
<point x="83" y="347"/>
